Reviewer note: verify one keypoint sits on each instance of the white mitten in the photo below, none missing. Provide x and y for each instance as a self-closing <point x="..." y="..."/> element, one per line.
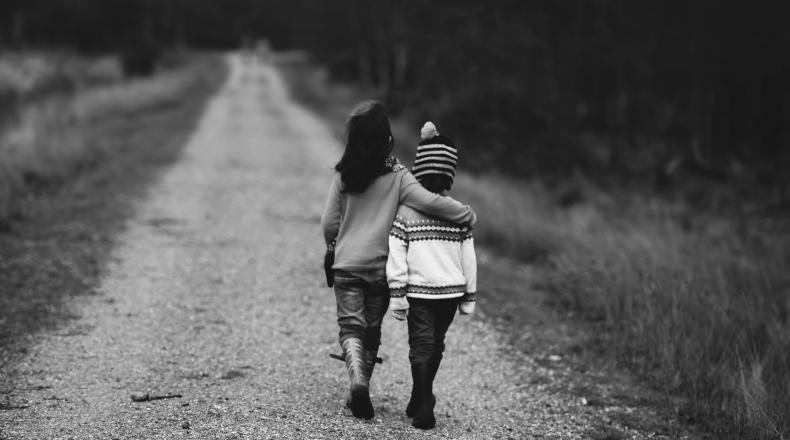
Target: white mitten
<point x="466" y="307"/>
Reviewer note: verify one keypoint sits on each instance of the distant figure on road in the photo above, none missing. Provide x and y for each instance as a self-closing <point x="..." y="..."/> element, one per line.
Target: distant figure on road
<point x="255" y="50"/>
<point x="364" y="195"/>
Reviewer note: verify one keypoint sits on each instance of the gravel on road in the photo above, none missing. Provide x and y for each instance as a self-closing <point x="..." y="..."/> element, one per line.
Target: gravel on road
<point x="213" y="312"/>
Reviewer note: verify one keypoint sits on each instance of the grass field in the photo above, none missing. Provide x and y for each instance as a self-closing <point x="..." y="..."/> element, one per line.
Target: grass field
<point x="694" y="301"/>
<point x="71" y="171"/>
<point x="698" y="310"/>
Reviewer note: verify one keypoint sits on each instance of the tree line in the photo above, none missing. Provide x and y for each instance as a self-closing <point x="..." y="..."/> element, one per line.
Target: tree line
<point x="530" y="86"/>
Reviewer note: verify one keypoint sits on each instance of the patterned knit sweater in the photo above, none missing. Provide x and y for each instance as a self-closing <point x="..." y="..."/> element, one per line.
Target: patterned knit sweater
<point x="430" y="258"/>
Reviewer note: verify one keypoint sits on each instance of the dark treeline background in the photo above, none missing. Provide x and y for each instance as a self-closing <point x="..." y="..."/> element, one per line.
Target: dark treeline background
<point x="642" y="91"/>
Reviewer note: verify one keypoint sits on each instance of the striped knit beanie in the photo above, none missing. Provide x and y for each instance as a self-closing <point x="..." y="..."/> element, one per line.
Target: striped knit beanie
<point x="436" y="154"/>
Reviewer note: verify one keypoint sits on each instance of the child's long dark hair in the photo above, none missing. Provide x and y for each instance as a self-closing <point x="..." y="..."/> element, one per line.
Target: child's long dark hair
<point x="368" y="144"/>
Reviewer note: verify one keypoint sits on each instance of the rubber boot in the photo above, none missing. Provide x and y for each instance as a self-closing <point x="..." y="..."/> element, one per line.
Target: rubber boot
<point x="424" y="419"/>
<point x="413" y="405"/>
<point x="359" y="385"/>
<point x="370" y="363"/>
<point x="434" y="367"/>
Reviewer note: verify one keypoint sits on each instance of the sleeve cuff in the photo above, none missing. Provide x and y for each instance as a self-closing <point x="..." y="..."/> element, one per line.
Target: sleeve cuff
<point x="398" y="292"/>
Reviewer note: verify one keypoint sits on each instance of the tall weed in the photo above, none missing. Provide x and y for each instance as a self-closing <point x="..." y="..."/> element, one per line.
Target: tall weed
<point x="701" y="312"/>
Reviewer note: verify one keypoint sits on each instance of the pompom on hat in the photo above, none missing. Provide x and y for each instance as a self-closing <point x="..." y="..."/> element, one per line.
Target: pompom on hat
<point x="436" y="154"/>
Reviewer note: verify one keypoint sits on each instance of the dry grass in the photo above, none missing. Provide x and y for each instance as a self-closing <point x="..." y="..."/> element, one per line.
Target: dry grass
<point x="30" y="72"/>
<point x="700" y="310"/>
<point x="28" y="77"/>
<point x="696" y="310"/>
<point x="50" y="140"/>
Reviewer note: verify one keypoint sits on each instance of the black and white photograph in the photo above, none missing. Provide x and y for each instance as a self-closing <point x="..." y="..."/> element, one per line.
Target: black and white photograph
<point x="381" y="219"/>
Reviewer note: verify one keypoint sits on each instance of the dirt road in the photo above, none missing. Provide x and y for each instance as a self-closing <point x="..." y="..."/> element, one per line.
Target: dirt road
<point x="215" y="294"/>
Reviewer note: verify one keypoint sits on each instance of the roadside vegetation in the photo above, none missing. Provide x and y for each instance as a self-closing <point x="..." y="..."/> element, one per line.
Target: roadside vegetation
<point x="692" y="296"/>
<point x="72" y="163"/>
<point x="50" y="131"/>
<point x="695" y="302"/>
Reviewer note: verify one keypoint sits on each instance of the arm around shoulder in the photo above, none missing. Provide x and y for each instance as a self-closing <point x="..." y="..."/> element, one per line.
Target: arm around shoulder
<point x="398" y="269"/>
<point x="330" y="219"/>
<point x="397" y="266"/>
<point x="414" y="195"/>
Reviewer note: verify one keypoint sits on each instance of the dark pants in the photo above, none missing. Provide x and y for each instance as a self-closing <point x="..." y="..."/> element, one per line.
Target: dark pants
<point x="428" y="321"/>
<point x="362" y="301"/>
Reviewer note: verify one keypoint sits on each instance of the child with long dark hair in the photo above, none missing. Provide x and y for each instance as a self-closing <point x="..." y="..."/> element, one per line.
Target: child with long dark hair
<point x="368" y="186"/>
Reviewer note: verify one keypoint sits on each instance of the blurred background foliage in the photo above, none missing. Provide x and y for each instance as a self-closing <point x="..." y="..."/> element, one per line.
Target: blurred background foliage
<point x="637" y="150"/>
<point x="645" y="92"/>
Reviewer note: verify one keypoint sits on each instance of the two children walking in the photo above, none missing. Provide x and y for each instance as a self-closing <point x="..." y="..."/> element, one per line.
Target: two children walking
<point x="399" y="243"/>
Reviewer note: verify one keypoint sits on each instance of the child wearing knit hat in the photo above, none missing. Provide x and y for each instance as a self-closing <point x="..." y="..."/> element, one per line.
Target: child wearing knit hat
<point x="362" y="201"/>
<point x="431" y="272"/>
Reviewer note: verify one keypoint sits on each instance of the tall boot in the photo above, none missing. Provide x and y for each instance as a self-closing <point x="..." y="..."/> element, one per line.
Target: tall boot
<point x="421" y="374"/>
<point x="414" y="401"/>
<point x="434" y="366"/>
<point x="370" y="363"/>
<point x="359" y="385"/>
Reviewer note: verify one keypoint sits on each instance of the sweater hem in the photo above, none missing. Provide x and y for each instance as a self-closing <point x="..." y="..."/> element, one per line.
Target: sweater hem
<point x="434" y="295"/>
<point x="432" y="291"/>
